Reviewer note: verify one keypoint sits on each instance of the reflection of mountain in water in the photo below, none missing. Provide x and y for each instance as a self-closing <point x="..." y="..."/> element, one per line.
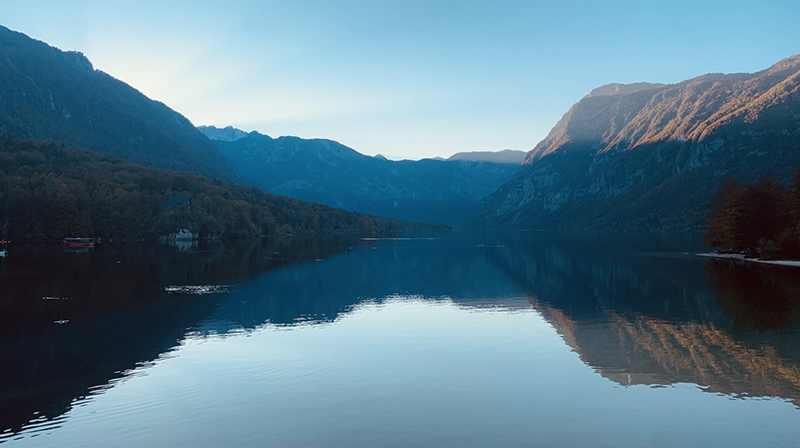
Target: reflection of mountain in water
<point x="452" y="269"/>
<point x="120" y="315"/>
<point x="635" y="308"/>
<point x="112" y="312"/>
<point x="654" y="319"/>
<point x="643" y="350"/>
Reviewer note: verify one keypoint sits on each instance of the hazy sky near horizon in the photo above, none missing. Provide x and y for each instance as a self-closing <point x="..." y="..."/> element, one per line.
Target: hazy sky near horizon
<point x="408" y="79"/>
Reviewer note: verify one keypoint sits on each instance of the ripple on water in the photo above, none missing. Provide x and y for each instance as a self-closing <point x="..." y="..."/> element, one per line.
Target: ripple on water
<point x="197" y="289"/>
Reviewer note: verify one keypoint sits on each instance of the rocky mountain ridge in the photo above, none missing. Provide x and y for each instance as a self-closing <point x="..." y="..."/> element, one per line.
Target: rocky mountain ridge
<point x="226" y="134"/>
<point x="639" y="114"/>
<point x="650" y="157"/>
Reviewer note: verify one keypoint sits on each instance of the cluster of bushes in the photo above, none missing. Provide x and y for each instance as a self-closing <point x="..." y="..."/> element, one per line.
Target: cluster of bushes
<point x="762" y="219"/>
<point x="49" y="191"/>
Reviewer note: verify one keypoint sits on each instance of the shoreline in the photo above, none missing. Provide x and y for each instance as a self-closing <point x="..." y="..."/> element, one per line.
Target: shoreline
<point x="741" y="257"/>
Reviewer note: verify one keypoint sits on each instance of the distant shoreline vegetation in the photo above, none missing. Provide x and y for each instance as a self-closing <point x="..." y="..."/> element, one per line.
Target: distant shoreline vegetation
<point x="761" y="220"/>
<point x="51" y="191"/>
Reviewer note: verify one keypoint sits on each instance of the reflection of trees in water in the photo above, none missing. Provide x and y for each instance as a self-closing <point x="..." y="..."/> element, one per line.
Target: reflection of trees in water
<point x="117" y="311"/>
<point x="119" y="314"/>
<point x="321" y="292"/>
<point x="45" y="371"/>
<point x="757" y="297"/>
<point x="588" y="274"/>
<point x="636" y="317"/>
<point x="127" y="276"/>
<point x="654" y="320"/>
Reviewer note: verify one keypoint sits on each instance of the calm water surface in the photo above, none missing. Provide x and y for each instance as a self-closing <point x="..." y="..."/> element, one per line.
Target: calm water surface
<point x="457" y="340"/>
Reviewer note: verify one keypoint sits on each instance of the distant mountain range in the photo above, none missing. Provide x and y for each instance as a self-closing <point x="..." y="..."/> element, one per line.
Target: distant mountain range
<point x="626" y="156"/>
<point x="330" y="173"/>
<point x="651" y="156"/>
<point x="505" y="156"/>
<point x="49" y="94"/>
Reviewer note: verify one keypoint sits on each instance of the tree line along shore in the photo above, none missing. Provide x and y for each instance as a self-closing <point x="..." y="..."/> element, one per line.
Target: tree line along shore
<point x="51" y="191"/>
<point x="761" y="220"/>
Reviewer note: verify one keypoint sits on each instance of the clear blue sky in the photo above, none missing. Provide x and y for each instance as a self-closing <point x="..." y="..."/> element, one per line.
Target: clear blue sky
<point x="407" y="79"/>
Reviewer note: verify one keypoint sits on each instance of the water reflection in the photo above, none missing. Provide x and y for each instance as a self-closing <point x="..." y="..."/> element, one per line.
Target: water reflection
<point x="755" y="297"/>
<point x="661" y="319"/>
<point x="638" y="309"/>
<point x="70" y="322"/>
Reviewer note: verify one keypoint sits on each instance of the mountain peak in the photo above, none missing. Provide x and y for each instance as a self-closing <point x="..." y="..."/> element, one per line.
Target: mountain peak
<point x="622" y="89"/>
<point x="226" y="134"/>
<point x="650" y="157"/>
<point x="80" y="60"/>
<point x="625" y="116"/>
<point x="790" y="63"/>
<point x="507" y="156"/>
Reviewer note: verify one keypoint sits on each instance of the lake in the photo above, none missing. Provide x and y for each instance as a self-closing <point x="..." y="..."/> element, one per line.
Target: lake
<point x="460" y="339"/>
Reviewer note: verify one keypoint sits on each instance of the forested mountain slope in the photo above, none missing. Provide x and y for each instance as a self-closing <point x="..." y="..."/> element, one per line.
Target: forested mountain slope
<point x="49" y="94"/>
<point x="48" y="190"/>
<point x="330" y="173"/>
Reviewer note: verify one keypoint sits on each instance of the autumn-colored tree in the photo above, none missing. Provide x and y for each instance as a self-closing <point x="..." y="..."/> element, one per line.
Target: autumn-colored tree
<point x="759" y="219"/>
<point x="725" y="223"/>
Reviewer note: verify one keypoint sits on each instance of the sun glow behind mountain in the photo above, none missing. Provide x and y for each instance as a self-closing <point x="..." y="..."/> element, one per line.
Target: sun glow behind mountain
<point x="407" y="80"/>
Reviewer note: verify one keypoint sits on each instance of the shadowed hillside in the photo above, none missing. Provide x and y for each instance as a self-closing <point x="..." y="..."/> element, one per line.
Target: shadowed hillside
<point x="330" y="173"/>
<point x="49" y="94"/>
<point x="48" y="190"/>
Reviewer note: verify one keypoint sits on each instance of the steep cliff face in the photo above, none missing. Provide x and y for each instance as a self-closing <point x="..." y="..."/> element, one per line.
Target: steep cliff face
<point x="650" y="156"/>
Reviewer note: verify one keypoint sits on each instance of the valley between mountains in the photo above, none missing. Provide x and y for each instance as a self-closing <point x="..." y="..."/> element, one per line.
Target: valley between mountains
<point x="641" y="156"/>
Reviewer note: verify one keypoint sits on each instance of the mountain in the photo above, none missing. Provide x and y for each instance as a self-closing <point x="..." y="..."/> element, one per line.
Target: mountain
<point x="49" y="94"/>
<point x="50" y="191"/>
<point x="505" y="156"/>
<point x="330" y="173"/>
<point x="651" y="156"/>
<point x="226" y="134"/>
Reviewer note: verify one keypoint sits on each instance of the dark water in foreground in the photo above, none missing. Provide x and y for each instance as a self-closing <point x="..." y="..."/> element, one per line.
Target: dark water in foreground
<point x="460" y="340"/>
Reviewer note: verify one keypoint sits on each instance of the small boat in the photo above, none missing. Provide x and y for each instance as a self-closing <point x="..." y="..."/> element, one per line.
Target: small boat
<point x="78" y="242"/>
<point x="3" y="253"/>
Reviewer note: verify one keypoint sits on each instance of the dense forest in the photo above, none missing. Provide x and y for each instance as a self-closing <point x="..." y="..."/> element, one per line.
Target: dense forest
<point x="50" y="191"/>
<point x="762" y="219"/>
